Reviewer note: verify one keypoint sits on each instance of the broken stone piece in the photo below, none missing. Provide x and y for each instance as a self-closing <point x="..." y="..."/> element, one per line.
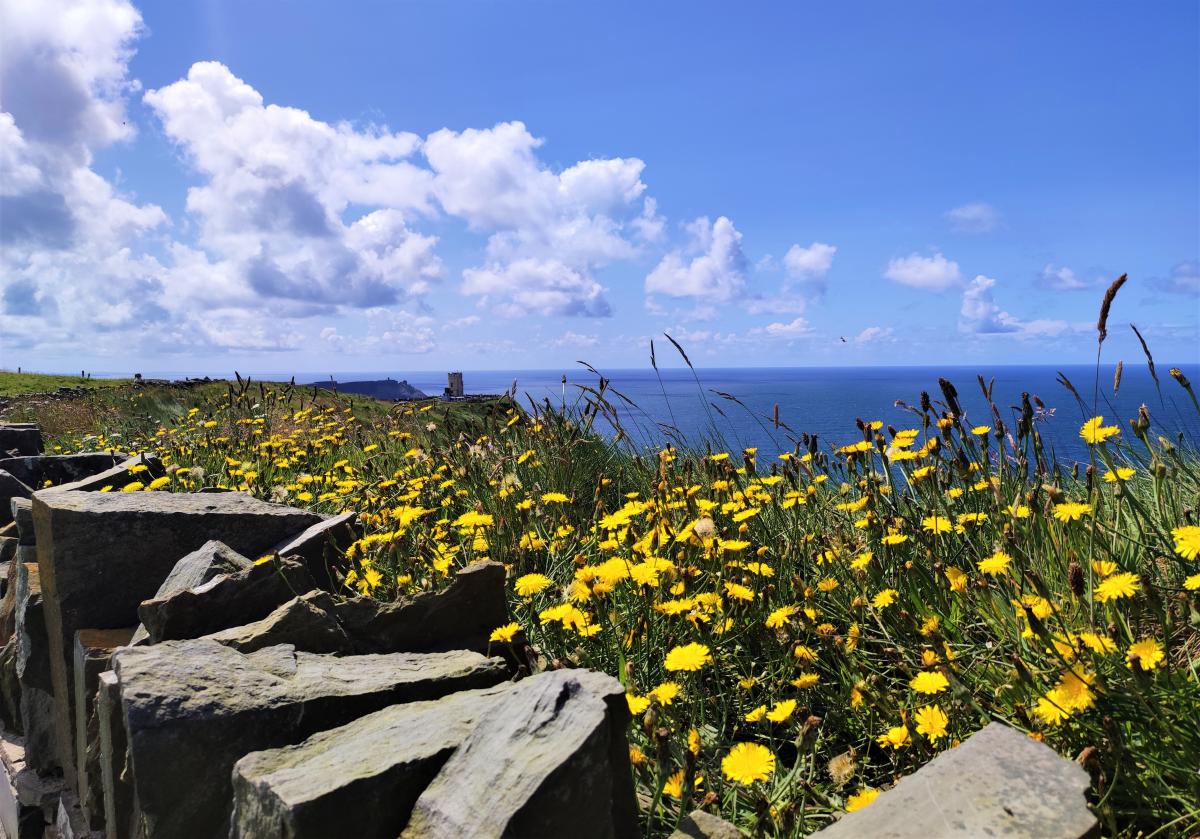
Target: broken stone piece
<point x="192" y="708"/>
<point x="322" y="547"/>
<point x="10" y="487"/>
<point x="308" y="623"/>
<point x="20" y="439"/>
<point x="93" y="654"/>
<point x="998" y="782"/>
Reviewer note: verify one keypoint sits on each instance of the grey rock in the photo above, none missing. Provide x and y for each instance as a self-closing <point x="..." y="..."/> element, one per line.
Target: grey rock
<point x="33" y="672"/>
<point x="21" y="510"/>
<point x="59" y="468"/>
<point x="554" y="761"/>
<point x="322" y="547"/>
<point x="541" y="738"/>
<point x="210" y="560"/>
<point x="18" y="439"/>
<point x="308" y="623"/>
<point x="115" y="778"/>
<point x="93" y="654"/>
<point x="998" y="782"/>
<point x="224" y="601"/>
<point x="10" y="487"/>
<point x="461" y="617"/>
<point x="102" y="553"/>
<point x="8" y="604"/>
<point x="701" y="825"/>
<point x="123" y="471"/>
<point x="192" y="708"/>
<point x="10" y="688"/>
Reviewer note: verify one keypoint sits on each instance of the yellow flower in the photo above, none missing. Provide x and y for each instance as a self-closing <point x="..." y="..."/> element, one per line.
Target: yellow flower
<point x="782" y="711"/>
<point x="747" y="763"/>
<point x="504" y="634"/>
<point x="757" y="714"/>
<point x="1103" y="567"/>
<point x="1095" y="431"/>
<point x="739" y="592"/>
<point x="957" y="578"/>
<point x="1123" y="473"/>
<point x="1071" y="511"/>
<point x="861" y="799"/>
<point x="1192" y="583"/>
<point x="780" y="617"/>
<point x="554" y="498"/>
<point x="995" y="564"/>
<point x="932" y="722"/>
<point x="936" y="524"/>
<point x="637" y="704"/>
<point x="1146" y="654"/>
<point x="1097" y="643"/>
<point x="806" y="680"/>
<point x="1187" y="541"/>
<point x="531" y="584"/>
<point x="885" y="598"/>
<point x="665" y="693"/>
<point x="1117" y="586"/>
<point x="894" y="539"/>
<point x="895" y="737"/>
<point x="688" y="657"/>
<point x="930" y="682"/>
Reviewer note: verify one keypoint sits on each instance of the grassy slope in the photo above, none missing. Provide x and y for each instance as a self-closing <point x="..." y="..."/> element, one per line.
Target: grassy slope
<point x="16" y="384"/>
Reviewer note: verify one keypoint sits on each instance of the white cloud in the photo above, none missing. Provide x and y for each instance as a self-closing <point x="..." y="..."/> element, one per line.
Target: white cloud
<point x="537" y="286"/>
<point x="461" y="323"/>
<point x="980" y="315"/>
<point x="932" y="273"/>
<point x="975" y="217"/>
<point x="574" y="339"/>
<point x="796" y="328"/>
<point x="1061" y="278"/>
<point x="809" y="264"/>
<point x="785" y="303"/>
<point x="712" y="268"/>
<point x="874" y="335"/>
<point x="1183" y="279"/>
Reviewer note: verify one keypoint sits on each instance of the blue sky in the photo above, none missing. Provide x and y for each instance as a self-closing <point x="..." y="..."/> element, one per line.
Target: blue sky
<point x="392" y="186"/>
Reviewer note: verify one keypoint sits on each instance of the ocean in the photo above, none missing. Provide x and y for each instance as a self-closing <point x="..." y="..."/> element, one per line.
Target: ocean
<point x="827" y="401"/>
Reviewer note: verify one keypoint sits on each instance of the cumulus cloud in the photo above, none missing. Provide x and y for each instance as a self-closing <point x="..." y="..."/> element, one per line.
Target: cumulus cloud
<point x="712" y="268"/>
<point x="809" y="264"/>
<point x="1183" y="279"/>
<point x="975" y="217"/>
<point x="537" y="286"/>
<point x="931" y="273"/>
<point x="1061" y="278"/>
<point x="795" y="328"/>
<point x="873" y="335"/>
<point x="576" y="340"/>
<point x="981" y="315"/>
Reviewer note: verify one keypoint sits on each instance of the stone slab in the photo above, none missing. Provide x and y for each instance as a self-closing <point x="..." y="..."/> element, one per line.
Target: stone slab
<point x="998" y="782"/>
<point x="10" y="487"/>
<point x="59" y="468"/>
<point x="33" y="672"/>
<point x="21" y="511"/>
<point x="701" y="825"/>
<point x="115" y="777"/>
<point x="21" y="439"/>
<point x="93" y="654"/>
<point x="102" y="553"/>
<point x="322" y="547"/>
<point x="193" y="708"/>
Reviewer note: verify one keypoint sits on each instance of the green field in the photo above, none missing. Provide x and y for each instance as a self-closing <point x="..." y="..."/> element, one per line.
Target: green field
<point x="17" y="384"/>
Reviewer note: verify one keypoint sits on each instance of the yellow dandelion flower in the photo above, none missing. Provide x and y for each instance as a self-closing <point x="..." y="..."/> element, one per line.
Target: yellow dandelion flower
<point x="637" y="704"/>
<point x="1146" y="654"/>
<point x="1094" y="431"/>
<point x="885" y="598"/>
<point x="782" y="711"/>
<point x="530" y="584"/>
<point x="739" y="592"/>
<point x="929" y="682"/>
<point x="554" y="498"/>
<point x="504" y="634"/>
<point x="757" y="714"/>
<point x="931" y="722"/>
<point x="688" y="657"/>
<point x="936" y="524"/>
<point x="996" y="564"/>
<point x="1071" y="511"/>
<point x="895" y="737"/>
<point x="747" y="763"/>
<point x="957" y="578"/>
<point x="780" y="616"/>
<point x="1192" y="583"/>
<point x="1187" y="541"/>
<point x="1117" y="586"/>
<point x="1123" y="473"/>
<point x="861" y="799"/>
<point x="665" y="693"/>
<point x="806" y="680"/>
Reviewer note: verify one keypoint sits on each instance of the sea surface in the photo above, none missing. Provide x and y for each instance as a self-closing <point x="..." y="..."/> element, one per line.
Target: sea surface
<point x="690" y="407"/>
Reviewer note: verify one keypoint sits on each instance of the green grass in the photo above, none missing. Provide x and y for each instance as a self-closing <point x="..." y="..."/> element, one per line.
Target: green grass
<point x="19" y="384"/>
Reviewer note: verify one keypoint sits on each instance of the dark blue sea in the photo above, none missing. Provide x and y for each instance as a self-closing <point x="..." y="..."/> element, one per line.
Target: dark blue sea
<point x="677" y="403"/>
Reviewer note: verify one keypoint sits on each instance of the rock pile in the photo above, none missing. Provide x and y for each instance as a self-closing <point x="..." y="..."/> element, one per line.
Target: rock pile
<point x="183" y="665"/>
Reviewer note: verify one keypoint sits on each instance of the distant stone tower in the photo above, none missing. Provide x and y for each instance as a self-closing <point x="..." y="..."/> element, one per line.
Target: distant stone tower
<point x="454" y="386"/>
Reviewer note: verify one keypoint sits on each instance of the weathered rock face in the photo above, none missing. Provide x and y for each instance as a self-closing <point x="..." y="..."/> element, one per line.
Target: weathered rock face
<point x="21" y="510"/>
<point x="701" y="825"/>
<point x="10" y="487"/>
<point x="545" y="757"/>
<point x="116" y="780"/>
<point x="192" y="708"/>
<point x="321" y="547"/>
<point x="59" y="468"/>
<point x="999" y="782"/>
<point x="33" y="672"/>
<point x="308" y="623"/>
<point x="93" y="653"/>
<point x="210" y="560"/>
<point x="224" y="601"/>
<point x="461" y="617"/>
<point x="143" y="468"/>
<point x="19" y="439"/>
<point x="102" y="554"/>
